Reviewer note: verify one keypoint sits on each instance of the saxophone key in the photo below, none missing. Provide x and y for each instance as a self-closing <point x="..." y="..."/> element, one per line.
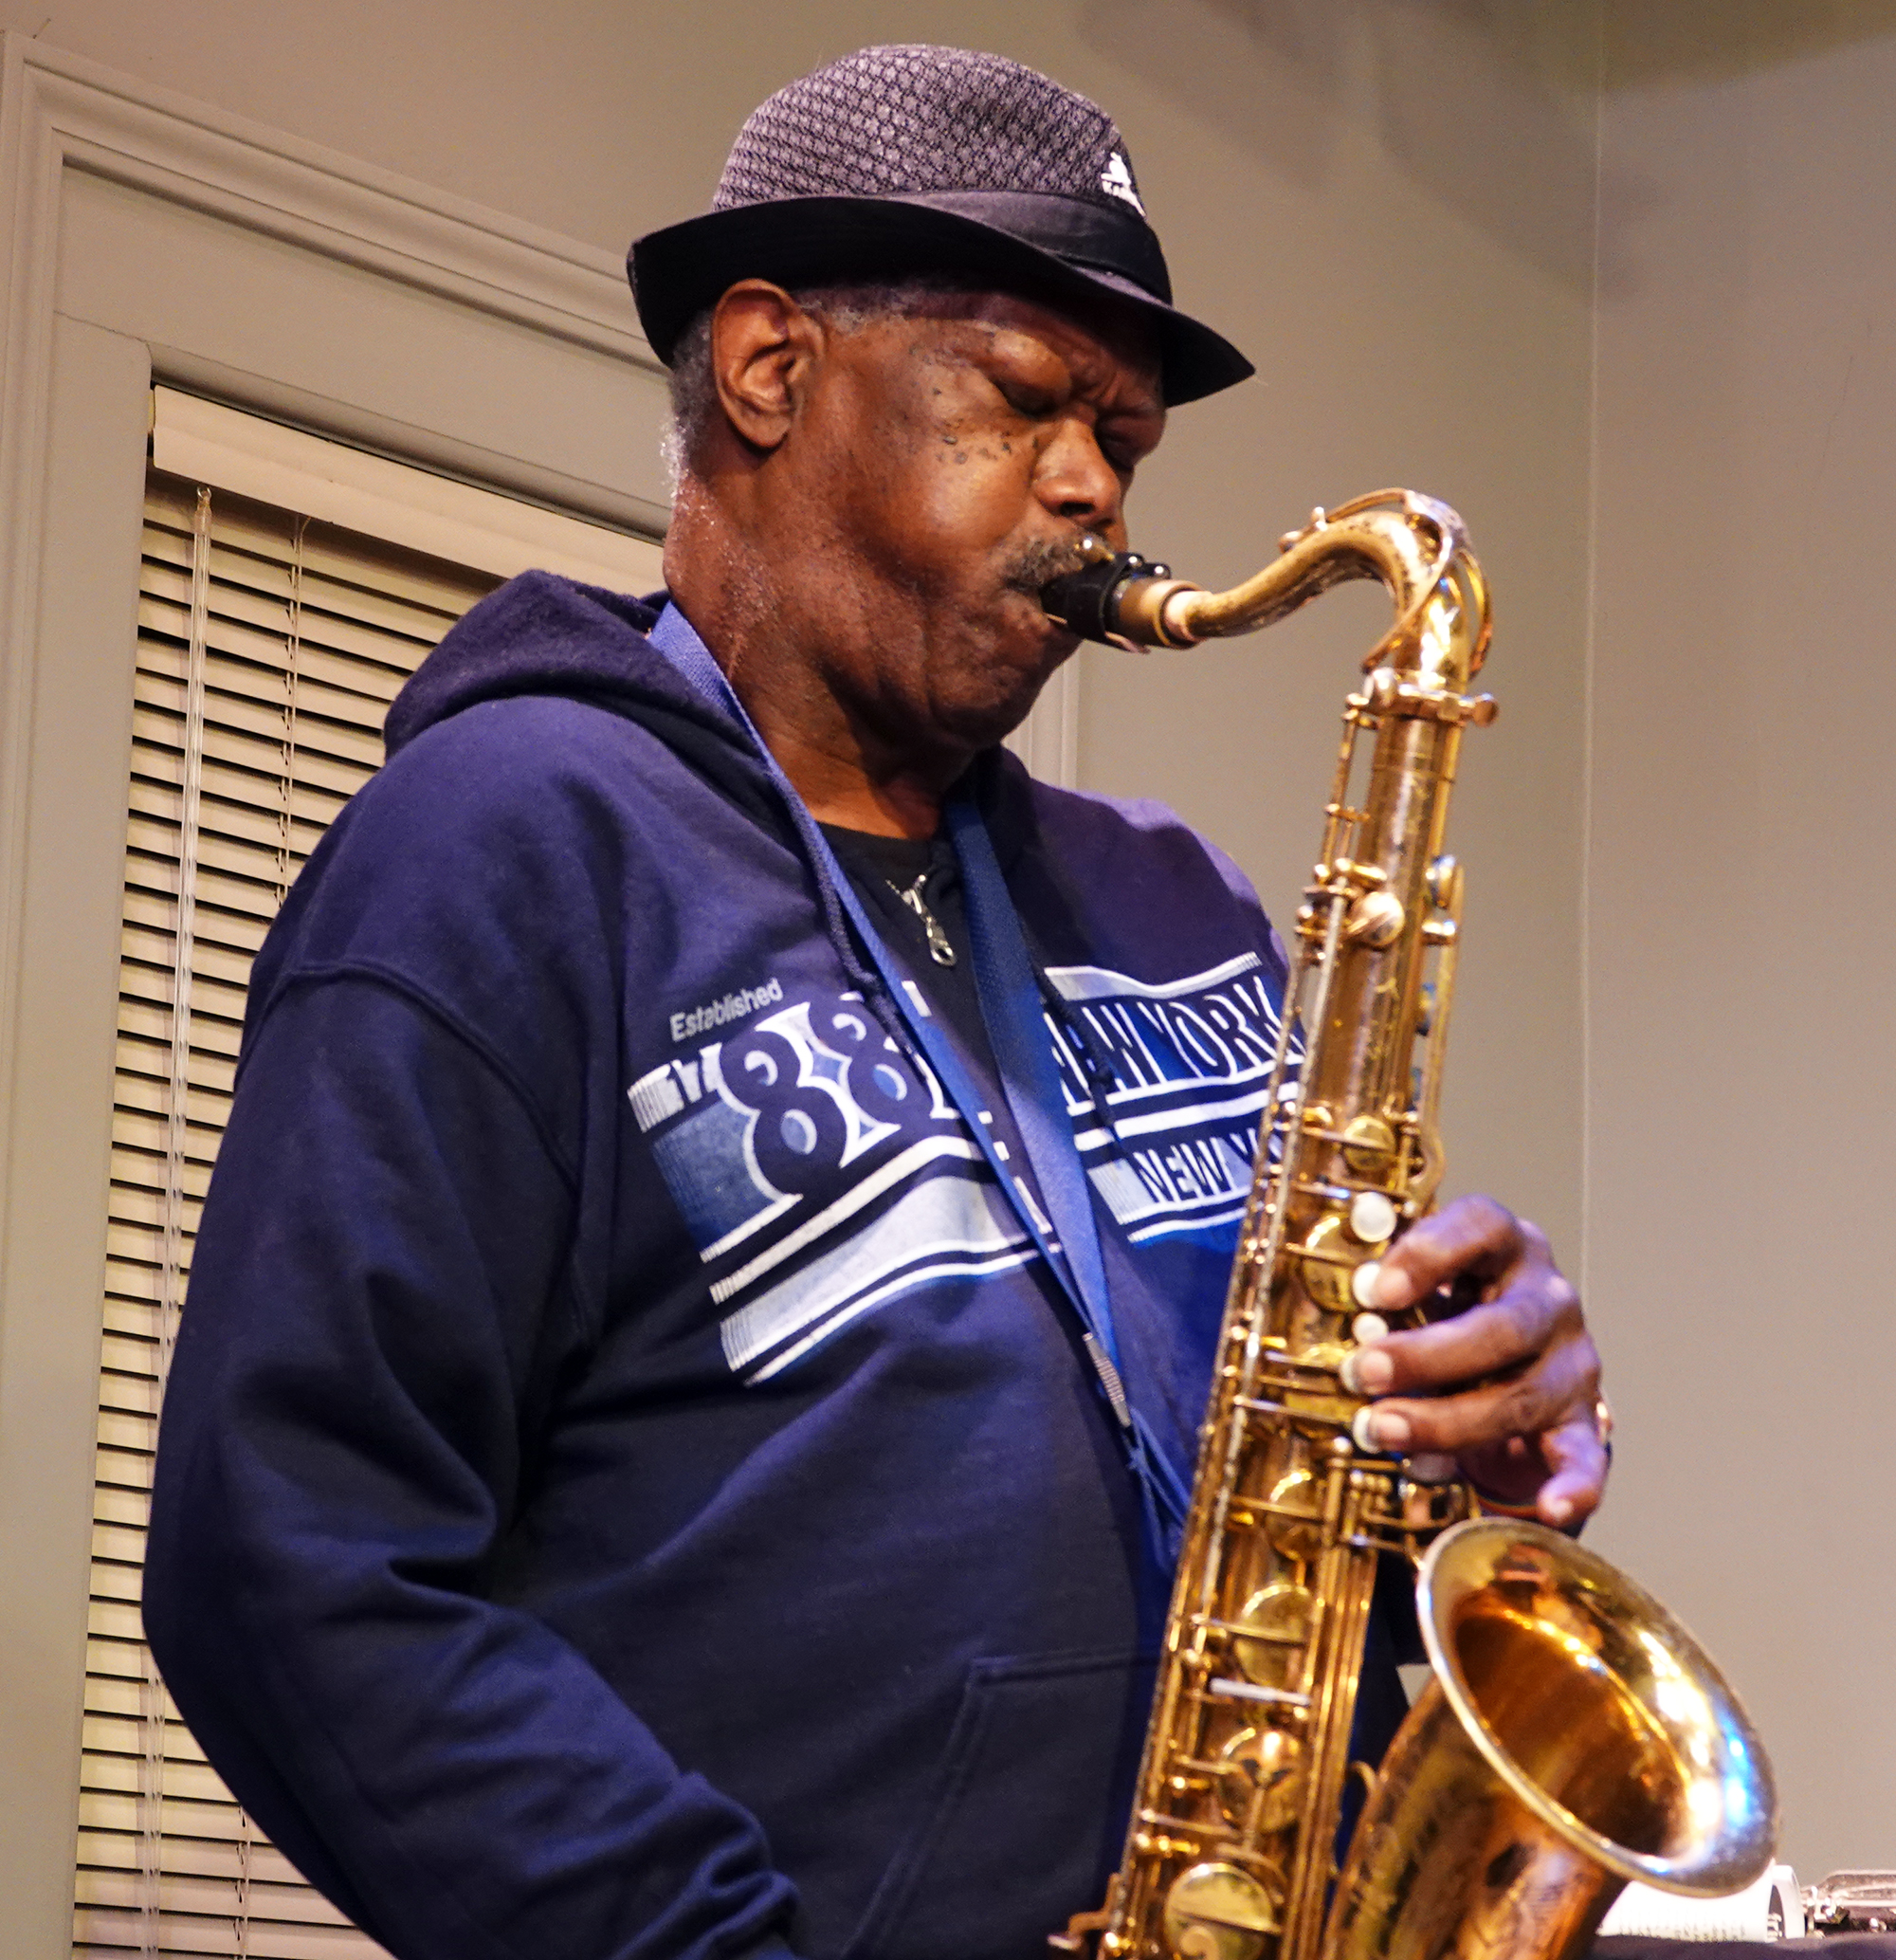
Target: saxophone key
<point x="1262" y="1788"/>
<point x="1155" y="1845"/>
<point x="1292" y="1517"/>
<point x="1360" y="1431"/>
<point x="1369" y="1145"/>
<point x="1373" y="1218"/>
<point x="1445" y="882"/>
<point x="1326" y="1260"/>
<point x="1273" y="1631"/>
<point x="1249" y="1690"/>
<point x="1220" y="1911"/>
<point x="1375" y="920"/>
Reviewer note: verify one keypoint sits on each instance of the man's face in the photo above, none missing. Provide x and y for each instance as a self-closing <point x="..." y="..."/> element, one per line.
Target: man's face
<point x="953" y="461"/>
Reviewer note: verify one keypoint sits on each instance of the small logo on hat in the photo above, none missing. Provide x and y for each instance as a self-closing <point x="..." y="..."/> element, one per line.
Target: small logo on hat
<point x="1115" y="181"/>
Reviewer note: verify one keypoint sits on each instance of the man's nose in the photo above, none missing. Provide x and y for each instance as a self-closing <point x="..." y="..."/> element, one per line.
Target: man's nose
<point x="1076" y="481"/>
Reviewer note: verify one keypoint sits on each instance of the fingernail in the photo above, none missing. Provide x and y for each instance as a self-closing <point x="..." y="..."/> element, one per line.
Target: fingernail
<point x="1557" y="1510"/>
<point x="1367" y="1371"/>
<point x="1389" y="1431"/>
<point x="1392" y="1287"/>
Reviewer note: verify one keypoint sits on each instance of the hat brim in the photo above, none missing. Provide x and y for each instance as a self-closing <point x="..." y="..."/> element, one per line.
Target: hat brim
<point x="679" y="271"/>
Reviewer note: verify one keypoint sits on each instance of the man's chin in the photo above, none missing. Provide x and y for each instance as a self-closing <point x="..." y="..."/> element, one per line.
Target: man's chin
<point x="979" y="724"/>
<point x="983" y="695"/>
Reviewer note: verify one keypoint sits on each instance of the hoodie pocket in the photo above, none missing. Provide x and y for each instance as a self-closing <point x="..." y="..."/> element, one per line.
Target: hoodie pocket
<point x="1027" y="1816"/>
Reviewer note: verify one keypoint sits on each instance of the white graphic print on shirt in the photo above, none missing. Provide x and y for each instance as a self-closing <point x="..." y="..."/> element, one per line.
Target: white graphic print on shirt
<point x="822" y="1174"/>
<point x="1191" y="1065"/>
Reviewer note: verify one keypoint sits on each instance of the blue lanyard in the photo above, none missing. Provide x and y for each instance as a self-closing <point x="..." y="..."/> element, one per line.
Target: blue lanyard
<point x="1014" y="1017"/>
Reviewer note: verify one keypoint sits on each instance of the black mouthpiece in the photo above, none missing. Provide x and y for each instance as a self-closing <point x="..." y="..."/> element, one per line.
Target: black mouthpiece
<point x="1087" y="601"/>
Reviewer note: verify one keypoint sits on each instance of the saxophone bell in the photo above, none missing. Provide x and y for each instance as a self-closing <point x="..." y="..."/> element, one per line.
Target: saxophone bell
<point x="1572" y="1736"/>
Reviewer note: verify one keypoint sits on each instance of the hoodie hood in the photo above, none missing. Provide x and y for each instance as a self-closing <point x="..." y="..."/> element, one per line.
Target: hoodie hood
<point x="543" y="635"/>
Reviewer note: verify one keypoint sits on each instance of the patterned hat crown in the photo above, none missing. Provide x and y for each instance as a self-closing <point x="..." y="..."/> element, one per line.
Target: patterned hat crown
<point x="891" y="119"/>
<point x="911" y="160"/>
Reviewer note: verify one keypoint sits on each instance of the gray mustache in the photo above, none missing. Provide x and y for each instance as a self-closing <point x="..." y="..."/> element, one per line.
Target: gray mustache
<point x="1039" y="564"/>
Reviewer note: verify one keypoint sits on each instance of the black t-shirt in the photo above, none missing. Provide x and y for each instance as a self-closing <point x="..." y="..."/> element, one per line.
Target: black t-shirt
<point x="881" y="868"/>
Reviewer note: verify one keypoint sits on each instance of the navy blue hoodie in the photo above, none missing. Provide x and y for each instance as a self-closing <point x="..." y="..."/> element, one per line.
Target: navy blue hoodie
<point x="629" y="1486"/>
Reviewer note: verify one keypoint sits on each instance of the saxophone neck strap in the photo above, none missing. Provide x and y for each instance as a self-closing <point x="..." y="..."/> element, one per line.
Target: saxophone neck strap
<point x="1063" y="1225"/>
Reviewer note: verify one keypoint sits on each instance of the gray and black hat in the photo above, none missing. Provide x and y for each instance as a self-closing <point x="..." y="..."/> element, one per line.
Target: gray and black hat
<point x="903" y="160"/>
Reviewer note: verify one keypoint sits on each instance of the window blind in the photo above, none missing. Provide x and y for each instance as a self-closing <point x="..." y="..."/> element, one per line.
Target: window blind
<point x="269" y="647"/>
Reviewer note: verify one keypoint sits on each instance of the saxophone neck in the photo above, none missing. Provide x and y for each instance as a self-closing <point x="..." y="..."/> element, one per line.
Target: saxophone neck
<point x="1412" y="544"/>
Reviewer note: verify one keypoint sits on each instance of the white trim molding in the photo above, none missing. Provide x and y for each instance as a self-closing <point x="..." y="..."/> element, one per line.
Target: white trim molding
<point x="61" y="114"/>
<point x="394" y="502"/>
<point x="73" y="113"/>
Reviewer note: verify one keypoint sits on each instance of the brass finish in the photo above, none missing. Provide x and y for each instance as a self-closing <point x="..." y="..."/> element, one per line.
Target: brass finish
<point x="1220" y="1911"/>
<point x="1264" y="1772"/>
<point x="1573" y="1736"/>
<point x="1369" y="1145"/>
<point x="1376" y="920"/>
<point x="1272" y="1633"/>
<point x="1330" y="1252"/>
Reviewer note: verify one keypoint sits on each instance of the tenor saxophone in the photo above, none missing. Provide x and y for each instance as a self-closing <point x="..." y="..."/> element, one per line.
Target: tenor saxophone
<point x="1573" y="1735"/>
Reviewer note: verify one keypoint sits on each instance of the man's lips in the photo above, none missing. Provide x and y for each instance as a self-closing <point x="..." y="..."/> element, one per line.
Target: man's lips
<point x="1034" y="568"/>
<point x="1030" y="639"/>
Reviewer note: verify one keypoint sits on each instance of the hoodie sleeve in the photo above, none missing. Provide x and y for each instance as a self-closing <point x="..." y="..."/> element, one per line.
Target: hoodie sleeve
<point x="378" y="1284"/>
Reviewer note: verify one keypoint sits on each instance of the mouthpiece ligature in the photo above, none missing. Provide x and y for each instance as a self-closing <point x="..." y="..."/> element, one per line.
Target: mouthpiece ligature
<point x="1119" y="598"/>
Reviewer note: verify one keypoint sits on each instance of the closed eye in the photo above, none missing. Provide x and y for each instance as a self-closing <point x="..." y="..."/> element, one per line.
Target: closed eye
<point x="1027" y="399"/>
<point x="1125" y="451"/>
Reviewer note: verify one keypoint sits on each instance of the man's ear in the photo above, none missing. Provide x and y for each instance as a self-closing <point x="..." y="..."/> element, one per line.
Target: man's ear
<point x="763" y="345"/>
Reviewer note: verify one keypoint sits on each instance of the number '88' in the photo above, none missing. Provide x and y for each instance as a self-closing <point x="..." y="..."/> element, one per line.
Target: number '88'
<point x="802" y="1133"/>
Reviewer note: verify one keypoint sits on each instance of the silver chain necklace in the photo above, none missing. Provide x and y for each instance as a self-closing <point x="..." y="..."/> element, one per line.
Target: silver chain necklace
<point x="939" y="948"/>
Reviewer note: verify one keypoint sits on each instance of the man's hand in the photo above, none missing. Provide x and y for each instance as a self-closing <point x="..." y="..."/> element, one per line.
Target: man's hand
<point x="1508" y="1381"/>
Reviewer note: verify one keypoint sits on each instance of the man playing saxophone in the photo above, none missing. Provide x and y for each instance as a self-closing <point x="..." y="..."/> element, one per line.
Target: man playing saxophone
<point x="699" y="1325"/>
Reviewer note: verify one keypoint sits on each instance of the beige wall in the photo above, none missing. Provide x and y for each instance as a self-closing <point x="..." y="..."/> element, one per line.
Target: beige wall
<point x="1742" y="1051"/>
<point x="1393" y="203"/>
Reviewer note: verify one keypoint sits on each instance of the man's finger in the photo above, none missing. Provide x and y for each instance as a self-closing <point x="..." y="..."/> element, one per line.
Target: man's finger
<point x="1471" y="1236"/>
<point x="1484" y="1340"/>
<point x="1559" y="1386"/>
<point x="1576" y="1453"/>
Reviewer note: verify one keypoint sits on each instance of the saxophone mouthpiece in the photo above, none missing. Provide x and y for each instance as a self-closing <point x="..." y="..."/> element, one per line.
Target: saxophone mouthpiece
<point x="1116" y="598"/>
<point x="1086" y="601"/>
